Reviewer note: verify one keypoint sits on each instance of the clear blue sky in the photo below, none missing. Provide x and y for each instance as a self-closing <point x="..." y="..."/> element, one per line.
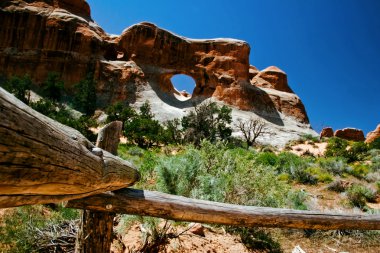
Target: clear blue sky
<point x="330" y="49"/>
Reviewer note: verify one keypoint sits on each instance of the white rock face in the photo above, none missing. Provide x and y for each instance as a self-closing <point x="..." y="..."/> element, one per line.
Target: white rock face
<point x="166" y="107"/>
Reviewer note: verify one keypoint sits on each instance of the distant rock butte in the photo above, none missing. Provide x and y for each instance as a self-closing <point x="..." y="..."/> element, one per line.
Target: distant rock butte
<point x="351" y="134"/>
<point x="42" y="36"/>
<point x="371" y="136"/>
<point x="327" y="132"/>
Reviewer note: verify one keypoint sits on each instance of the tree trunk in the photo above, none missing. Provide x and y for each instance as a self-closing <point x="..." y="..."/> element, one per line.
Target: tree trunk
<point x="43" y="161"/>
<point x="179" y="208"/>
<point x="96" y="228"/>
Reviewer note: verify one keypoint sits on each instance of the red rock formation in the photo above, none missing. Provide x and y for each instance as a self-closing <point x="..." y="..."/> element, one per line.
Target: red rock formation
<point x="327" y="132"/>
<point x="371" y="136"/>
<point x="272" y="78"/>
<point x="351" y="134"/>
<point x="42" y="36"/>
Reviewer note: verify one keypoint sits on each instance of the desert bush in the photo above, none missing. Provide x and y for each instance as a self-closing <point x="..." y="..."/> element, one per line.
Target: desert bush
<point x="336" y="147"/>
<point x="358" y="170"/>
<point x="375" y="144"/>
<point x="207" y="121"/>
<point x="19" y="86"/>
<point x="267" y="159"/>
<point x="372" y="177"/>
<point x="297" y="200"/>
<point x="320" y="174"/>
<point x="22" y="224"/>
<point x="338" y="186"/>
<point x="256" y="239"/>
<point x="296" y="167"/>
<point x="374" y="155"/>
<point x="333" y="165"/>
<point x="358" y="195"/>
<point x="309" y="137"/>
<point x="216" y="173"/>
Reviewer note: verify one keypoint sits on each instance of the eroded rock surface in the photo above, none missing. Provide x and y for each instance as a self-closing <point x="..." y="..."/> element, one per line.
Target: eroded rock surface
<point x="42" y="36"/>
<point x="327" y="132"/>
<point x="351" y="134"/>
<point x="371" y="136"/>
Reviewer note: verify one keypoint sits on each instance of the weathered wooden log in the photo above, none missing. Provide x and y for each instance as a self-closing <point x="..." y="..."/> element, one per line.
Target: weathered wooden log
<point x="147" y="203"/>
<point x="96" y="228"/>
<point x="43" y="161"/>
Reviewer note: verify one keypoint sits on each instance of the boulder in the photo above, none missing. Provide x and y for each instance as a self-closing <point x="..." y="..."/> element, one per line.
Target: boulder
<point x="197" y="229"/>
<point x="351" y="134"/>
<point x="273" y="78"/>
<point x="327" y="132"/>
<point x="371" y="136"/>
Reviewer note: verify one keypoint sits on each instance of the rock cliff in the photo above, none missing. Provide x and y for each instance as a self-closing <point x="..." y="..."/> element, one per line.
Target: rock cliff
<point x="42" y="36"/>
<point x="372" y="136"/>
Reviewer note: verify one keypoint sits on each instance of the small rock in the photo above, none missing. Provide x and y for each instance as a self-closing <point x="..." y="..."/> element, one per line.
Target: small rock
<point x="298" y="249"/>
<point x="197" y="229"/>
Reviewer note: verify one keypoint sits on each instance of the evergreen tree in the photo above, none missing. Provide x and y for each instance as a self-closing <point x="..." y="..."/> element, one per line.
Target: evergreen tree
<point x="85" y="95"/>
<point x="53" y="87"/>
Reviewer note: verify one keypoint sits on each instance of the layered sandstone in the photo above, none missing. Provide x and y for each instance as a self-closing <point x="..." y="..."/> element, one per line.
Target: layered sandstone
<point x="351" y="134"/>
<point x="372" y="136"/>
<point x="327" y="132"/>
<point x="42" y="36"/>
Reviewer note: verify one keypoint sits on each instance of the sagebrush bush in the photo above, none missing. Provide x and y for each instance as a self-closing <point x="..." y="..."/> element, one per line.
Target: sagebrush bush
<point x="375" y="144"/>
<point x="217" y="173"/>
<point x="359" y="170"/>
<point x="338" y="186"/>
<point x="358" y="195"/>
<point x="333" y="165"/>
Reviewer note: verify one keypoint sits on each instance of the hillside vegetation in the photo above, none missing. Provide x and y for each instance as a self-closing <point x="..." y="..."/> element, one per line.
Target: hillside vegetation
<point x="196" y="157"/>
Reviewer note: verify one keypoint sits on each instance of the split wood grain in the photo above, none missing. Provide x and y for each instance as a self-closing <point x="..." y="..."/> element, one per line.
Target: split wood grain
<point x="43" y="161"/>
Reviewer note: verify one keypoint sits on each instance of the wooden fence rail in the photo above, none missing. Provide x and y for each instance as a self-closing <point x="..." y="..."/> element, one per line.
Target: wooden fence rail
<point x="147" y="203"/>
<point x="43" y="161"/>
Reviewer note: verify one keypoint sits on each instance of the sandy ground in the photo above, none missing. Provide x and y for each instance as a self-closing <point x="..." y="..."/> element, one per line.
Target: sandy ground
<point x="317" y="149"/>
<point x="215" y="240"/>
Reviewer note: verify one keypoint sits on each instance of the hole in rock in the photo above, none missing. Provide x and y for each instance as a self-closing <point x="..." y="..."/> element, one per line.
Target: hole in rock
<point x="184" y="84"/>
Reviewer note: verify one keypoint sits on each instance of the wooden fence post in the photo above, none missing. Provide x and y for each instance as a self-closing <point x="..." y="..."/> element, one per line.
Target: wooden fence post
<point x="96" y="228"/>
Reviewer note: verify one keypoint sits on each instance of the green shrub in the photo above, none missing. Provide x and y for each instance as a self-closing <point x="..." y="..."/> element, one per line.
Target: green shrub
<point x="256" y="239"/>
<point x="216" y="173"/>
<point x="267" y="159"/>
<point x="359" y="170"/>
<point x="358" y="195"/>
<point x="358" y="151"/>
<point x="338" y="186"/>
<point x="375" y="159"/>
<point x="375" y="144"/>
<point x="297" y="200"/>
<point x="309" y="137"/>
<point x="336" y="147"/>
<point x="53" y="87"/>
<point x="333" y="165"/>
<point x="20" y="87"/>
<point x="85" y="95"/>
<point x="207" y="121"/>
